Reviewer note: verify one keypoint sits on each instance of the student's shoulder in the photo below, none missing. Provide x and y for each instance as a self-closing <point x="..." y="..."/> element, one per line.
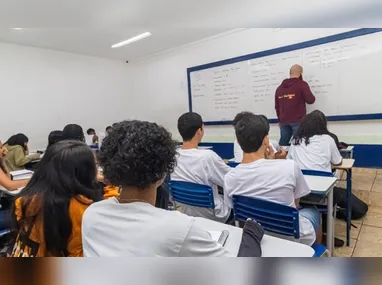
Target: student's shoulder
<point x="285" y="164"/>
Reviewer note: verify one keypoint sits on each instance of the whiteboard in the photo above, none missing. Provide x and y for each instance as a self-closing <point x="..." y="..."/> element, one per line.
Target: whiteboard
<point x="343" y="71"/>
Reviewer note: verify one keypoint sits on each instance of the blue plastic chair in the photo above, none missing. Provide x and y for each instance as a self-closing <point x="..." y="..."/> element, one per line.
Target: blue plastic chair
<point x="232" y="164"/>
<point x="192" y="194"/>
<point x="273" y="217"/>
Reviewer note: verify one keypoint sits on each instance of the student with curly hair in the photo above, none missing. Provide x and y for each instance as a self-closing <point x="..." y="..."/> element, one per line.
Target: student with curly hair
<point x="137" y="156"/>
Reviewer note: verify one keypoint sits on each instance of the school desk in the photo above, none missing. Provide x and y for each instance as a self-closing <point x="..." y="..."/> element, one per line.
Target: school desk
<point x="270" y="246"/>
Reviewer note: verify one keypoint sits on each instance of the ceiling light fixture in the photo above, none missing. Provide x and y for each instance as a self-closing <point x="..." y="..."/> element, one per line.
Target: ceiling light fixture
<point x="131" y="40"/>
<point x="17" y="28"/>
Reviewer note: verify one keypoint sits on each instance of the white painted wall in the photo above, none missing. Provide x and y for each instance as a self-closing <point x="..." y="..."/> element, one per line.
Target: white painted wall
<point x="159" y="83"/>
<point x="43" y="90"/>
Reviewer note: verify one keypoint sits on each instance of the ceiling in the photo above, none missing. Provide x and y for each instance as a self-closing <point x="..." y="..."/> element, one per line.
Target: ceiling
<point x="91" y="27"/>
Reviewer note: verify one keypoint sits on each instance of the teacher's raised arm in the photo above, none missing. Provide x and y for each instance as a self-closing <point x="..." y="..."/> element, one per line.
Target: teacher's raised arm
<point x="290" y="102"/>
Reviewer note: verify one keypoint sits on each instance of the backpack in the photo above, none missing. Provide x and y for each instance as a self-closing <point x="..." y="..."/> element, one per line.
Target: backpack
<point x="358" y="207"/>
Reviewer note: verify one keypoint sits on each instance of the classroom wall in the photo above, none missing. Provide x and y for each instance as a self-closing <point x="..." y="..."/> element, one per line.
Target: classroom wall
<point x="43" y="90"/>
<point x="160" y="83"/>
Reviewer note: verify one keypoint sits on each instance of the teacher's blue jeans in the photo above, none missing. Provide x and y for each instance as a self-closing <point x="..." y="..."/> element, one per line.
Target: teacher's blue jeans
<point x="287" y="131"/>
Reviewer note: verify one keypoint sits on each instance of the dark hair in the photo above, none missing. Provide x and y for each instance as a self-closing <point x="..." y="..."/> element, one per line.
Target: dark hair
<point x="19" y="139"/>
<point x="90" y="131"/>
<point x="67" y="170"/>
<point x="313" y="124"/>
<point x="188" y="124"/>
<point x="240" y="116"/>
<point x="109" y="128"/>
<point x="55" y="137"/>
<point x="251" y="131"/>
<point x="137" y="154"/>
<point x="74" y="132"/>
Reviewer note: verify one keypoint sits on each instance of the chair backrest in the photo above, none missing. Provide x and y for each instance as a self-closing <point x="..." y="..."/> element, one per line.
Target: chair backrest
<point x="232" y="164"/>
<point x="317" y="173"/>
<point x="272" y="216"/>
<point x="192" y="194"/>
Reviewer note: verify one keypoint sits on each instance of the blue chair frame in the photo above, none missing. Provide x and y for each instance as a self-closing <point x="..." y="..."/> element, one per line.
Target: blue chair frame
<point x="273" y="217"/>
<point x="192" y="194"/>
<point x="232" y="164"/>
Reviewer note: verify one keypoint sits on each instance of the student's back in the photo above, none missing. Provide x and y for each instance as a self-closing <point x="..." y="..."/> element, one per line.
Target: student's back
<point x="203" y="166"/>
<point x="200" y="166"/>
<point x="165" y="233"/>
<point x="313" y="147"/>
<point x="271" y="179"/>
<point x="319" y="154"/>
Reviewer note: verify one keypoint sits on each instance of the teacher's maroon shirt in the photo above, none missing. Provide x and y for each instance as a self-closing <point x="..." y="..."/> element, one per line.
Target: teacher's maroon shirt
<point x="291" y="97"/>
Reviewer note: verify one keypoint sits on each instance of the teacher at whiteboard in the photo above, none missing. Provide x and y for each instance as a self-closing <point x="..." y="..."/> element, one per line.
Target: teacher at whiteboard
<point x="290" y="102"/>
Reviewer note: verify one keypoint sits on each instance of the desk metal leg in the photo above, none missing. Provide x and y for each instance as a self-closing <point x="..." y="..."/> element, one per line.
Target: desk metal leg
<point x="330" y="224"/>
<point x="348" y="204"/>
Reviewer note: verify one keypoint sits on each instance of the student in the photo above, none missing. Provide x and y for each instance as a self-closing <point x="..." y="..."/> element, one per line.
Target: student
<point x="92" y="135"/>
<point x="18" y="153"/>
<point x="238" y="152"/>
<point x="200" y="166"/>
<point x="138" y="156"/>
<point x="312" y="146"/>
<point x="55" y="137"/>
<point x="73" y="132"/>
<point x="5" y="176"/>
<point x="108" y="130"/>
<point x="49" y="210"/>
<point x="275" y="180"/>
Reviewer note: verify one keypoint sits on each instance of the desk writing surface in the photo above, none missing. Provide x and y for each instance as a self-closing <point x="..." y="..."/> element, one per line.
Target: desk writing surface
<point x="349" y="148"/>
<point x="320" y="184"/>
<point x="270" y="246"/>
<point x="347" y="163"/>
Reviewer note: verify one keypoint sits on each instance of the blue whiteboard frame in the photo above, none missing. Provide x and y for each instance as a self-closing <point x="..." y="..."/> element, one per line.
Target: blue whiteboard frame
<point x="316" y="42"/>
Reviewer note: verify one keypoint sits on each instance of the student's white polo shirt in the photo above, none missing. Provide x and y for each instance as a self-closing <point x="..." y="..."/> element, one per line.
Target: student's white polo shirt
<point x="205" y="167"/>
<point x="276" y="180"/>
<point x="319" y="154"/>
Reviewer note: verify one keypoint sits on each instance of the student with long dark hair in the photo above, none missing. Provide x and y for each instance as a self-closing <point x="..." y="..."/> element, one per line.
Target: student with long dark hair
<point x="313" y="147"/>
<point x="49" y="210"/>
<point x="18" y="152"/>
<point x="138" y="156"/>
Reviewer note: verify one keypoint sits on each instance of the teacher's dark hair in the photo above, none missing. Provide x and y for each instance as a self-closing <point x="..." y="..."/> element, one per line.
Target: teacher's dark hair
<point x="314" y="123"/>
<point x="137" y="154"/>
<point x="67" y="170"/>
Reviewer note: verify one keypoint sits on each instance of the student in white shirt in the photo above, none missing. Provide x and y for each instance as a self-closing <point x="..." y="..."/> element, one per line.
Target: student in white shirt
<point x="137" y="156"/>
<point x="200" y="166"/>
<point x="276" y="180"/>
<point x="312" y="147"/>
<point x="238" y="152"/>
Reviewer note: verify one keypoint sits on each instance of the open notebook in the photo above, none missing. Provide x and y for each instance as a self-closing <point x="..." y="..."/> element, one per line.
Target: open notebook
<point x="219" y="236"/>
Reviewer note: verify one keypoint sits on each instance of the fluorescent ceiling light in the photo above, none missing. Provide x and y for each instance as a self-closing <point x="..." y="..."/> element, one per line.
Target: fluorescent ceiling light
<point x="17" y="28"/>
<point x="131" y="40"/>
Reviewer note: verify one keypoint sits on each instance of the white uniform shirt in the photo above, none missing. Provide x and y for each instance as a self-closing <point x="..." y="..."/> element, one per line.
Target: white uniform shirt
<point x="238" y="152"/>
<point x="319" y="154"/>
<point x="111" y="229"/>
<point x="276" y="180"/>
<point x="205" y="167"/>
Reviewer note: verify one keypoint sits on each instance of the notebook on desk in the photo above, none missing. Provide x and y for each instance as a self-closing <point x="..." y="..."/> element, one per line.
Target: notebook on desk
<point x="219" y="236"/>
<point x="21" y="174"/>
